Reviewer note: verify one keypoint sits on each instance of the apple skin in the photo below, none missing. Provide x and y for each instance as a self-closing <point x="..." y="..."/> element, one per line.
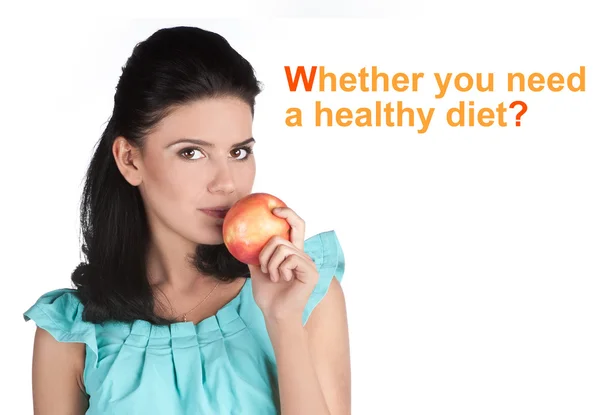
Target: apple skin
<point x="249" y="225"/>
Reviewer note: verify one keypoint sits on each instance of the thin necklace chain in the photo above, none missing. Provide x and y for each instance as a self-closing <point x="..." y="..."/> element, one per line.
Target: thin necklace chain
<point x="184" y="315"/>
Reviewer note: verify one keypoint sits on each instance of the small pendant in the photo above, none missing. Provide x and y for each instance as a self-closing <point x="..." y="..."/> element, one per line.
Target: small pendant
<point x="184" y="318"/>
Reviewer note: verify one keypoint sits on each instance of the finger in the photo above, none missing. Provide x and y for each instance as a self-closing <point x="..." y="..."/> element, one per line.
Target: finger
<point x="287" y="267"/>
<point x="279" y="255"/>
<point x="298" y="267"/>
<point x="285" y="271"/>
<point x="296" y="223"/>
<point x="269" y="248"/>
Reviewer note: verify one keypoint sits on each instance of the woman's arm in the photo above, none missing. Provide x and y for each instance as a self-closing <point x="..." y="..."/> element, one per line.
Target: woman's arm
<point x="57" y="376"/>
<point x="313" y="362"/>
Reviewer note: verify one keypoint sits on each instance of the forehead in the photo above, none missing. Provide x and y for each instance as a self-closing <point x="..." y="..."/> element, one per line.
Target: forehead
<point x="221" y="121"/>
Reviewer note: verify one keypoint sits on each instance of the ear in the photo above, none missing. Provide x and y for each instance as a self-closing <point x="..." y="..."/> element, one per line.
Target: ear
<point x="128" y="159"/>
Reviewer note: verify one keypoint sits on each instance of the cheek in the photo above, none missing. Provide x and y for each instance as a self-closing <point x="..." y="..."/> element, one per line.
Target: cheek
<point x="244" y="177"/>
<point x="170" y="183"/>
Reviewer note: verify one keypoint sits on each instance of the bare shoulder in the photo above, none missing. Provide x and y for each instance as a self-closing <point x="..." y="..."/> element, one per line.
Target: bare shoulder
<point x="331" y="309"/>
<point x="327" y="329"/>
<point x="57" y="376"/>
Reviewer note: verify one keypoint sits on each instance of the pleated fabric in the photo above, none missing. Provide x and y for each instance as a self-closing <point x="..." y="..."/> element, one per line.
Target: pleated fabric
<point x="223" y="365"/>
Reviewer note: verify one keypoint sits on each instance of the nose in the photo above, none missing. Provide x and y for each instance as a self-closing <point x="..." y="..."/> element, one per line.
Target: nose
<point x="222" y="181"/>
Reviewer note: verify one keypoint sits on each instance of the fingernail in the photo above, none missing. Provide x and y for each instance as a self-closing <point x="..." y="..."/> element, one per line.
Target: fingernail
<point x="262" y="268"/>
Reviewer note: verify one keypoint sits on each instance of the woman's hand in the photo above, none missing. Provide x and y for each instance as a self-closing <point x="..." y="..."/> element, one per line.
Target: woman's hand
<point x="288" y="275"/>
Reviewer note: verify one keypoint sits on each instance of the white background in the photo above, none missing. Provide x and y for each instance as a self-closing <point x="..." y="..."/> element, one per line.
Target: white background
<point x="472" y="254"/>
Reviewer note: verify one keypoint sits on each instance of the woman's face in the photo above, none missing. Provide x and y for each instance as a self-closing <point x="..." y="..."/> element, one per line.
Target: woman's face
<point x="198" y="157"/>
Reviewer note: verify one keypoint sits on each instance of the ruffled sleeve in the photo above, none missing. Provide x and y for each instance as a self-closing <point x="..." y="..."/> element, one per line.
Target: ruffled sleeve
<point x="325" y="249"/>
<point x="59" y="312"/>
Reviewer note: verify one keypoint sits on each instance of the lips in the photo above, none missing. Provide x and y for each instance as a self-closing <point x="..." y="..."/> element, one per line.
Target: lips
<point x="217" y="211"/>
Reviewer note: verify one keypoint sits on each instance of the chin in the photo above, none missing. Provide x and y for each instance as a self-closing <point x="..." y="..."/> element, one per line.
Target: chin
<point x="209" y="238"/>
<point x="207" y="241"/>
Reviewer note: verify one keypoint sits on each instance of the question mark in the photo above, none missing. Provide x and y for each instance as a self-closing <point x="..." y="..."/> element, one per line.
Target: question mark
<point x="523" y="110"/>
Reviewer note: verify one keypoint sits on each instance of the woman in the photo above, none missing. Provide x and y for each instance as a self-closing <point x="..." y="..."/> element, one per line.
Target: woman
<point x="163" y="320"/>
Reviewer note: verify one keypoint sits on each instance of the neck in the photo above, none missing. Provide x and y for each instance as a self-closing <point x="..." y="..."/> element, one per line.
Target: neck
<point x="169" y="262"/>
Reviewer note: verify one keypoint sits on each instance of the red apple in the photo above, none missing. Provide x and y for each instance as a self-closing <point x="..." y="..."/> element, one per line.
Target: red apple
<point x="249" y="225"/>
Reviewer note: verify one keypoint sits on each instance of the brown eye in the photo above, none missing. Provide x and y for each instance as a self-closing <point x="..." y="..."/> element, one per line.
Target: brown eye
<point x="190" y="153"/>
<point x="237" y="152"/>
<point x="241" y="153"/>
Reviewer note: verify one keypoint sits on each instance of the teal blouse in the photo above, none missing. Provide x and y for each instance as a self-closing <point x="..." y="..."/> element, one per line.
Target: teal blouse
<point x="223" y="365"/>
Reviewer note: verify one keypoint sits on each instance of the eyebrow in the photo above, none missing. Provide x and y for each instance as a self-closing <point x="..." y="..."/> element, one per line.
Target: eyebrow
<point x="207" y="144"/>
